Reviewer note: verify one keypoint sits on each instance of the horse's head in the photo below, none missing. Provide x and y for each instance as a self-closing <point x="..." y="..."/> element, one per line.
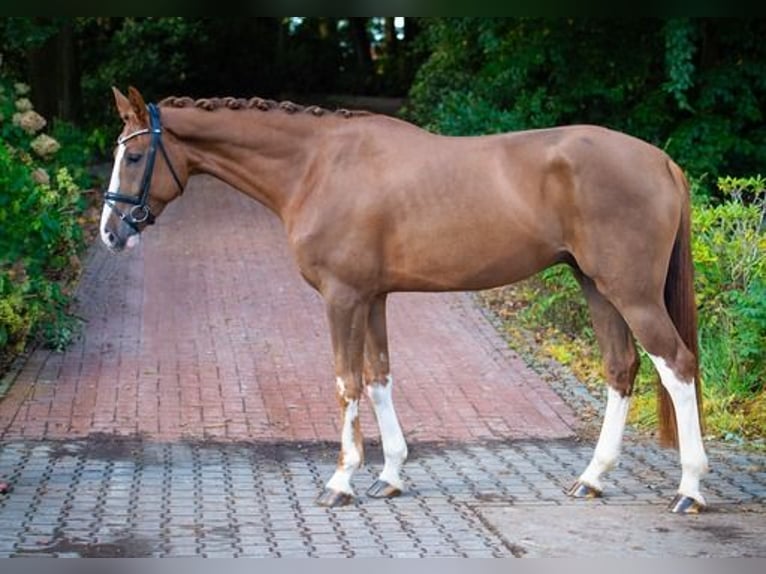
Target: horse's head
<point x="140" y="186"/>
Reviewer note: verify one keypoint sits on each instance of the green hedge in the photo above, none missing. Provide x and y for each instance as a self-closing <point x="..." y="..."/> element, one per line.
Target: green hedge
<point x="729" y="247"/>
<point x="40" y="202"/>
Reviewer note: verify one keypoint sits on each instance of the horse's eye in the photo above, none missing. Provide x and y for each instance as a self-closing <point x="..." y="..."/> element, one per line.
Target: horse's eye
<point x="133" y="157"/>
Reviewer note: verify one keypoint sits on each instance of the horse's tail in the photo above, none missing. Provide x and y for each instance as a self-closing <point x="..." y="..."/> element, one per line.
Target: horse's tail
<point x="681" y="306"/>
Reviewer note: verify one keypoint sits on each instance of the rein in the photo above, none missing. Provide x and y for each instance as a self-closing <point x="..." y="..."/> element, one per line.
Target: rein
<point x="140" y="212"/>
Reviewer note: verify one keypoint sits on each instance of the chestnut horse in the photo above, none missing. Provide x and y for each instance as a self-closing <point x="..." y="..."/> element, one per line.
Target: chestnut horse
<point x="374" y="205"/>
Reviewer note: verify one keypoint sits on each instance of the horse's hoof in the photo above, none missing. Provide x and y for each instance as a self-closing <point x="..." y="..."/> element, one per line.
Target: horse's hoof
<point x="382" y="489"/>
<point x="581" y="490"/>
<point x="334" y="498"/>
<point x="5" y="488"/>
<point x="683" y="504"/>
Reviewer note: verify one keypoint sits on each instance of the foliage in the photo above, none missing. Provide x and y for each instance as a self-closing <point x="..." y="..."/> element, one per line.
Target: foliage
<point x="556" y="299"/>
<point x="21" y="34"/>
<point x="679" y="60"/>
<point x="148" y="52"/>
<point x="540" y="71"/>
<point x="729" y="249"/>
<point x="39" y="234"/>
<point x="691" y="86"/>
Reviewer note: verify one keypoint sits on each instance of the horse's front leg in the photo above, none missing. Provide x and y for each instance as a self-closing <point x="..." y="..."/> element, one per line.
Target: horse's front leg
<point x="378" y="385"/>
<point x="347" y="313"/>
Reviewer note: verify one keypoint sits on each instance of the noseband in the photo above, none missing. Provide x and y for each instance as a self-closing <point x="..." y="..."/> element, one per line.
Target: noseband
<point x="140" y="211"/>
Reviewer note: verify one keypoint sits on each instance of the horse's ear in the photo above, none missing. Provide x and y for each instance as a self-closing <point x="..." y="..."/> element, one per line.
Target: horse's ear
<point x="138" y="105"/>
<point x="123" y="105"/>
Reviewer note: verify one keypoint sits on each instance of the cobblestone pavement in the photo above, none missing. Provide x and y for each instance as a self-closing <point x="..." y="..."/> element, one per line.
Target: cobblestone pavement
<point x="103" y="496"/>
<point x="196" y="417"/>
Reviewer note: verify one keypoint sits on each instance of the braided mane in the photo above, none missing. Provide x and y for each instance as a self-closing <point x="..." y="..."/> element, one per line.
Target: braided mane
<point x="212" y="104"/>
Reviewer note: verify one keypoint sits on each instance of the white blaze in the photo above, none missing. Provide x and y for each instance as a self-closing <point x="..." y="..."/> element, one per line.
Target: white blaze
<point x="114" y="182"/>
<point x="114" y="186"/>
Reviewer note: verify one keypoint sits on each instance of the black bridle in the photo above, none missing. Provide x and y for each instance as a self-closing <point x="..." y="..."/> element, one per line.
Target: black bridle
<point x="140" y="212"/>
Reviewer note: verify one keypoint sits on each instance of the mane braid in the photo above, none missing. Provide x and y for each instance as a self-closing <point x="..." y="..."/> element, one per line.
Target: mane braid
<point x="213" y="104"/>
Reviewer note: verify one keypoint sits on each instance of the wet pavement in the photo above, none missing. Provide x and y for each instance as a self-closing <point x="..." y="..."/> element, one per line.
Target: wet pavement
<point x="107" y="497"/>
<point x="196" y="417"/>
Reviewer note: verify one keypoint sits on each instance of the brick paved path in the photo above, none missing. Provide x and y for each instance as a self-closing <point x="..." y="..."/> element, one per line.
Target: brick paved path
<point x="208" y="331"/>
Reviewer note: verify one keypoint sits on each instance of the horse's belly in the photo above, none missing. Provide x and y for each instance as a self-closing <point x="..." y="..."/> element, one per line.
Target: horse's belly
<point x="465" y="264"/>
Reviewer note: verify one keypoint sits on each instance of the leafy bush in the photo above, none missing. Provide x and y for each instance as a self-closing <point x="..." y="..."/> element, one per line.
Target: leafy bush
<point x="729" y="249"/>
<point x="39" y="235"/>
<point x="556" y="299"/>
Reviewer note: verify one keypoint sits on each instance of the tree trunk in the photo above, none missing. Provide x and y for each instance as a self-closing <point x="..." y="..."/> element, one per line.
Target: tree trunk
<point x="54" y="76"/>
<point x="392" y="42"/>
<point x="361" y="42"/>
<point x="411" y="28"/>
<point x="68" y="75"/>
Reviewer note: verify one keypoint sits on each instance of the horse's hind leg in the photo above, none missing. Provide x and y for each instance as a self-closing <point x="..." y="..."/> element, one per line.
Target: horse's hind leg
<point x="378" y="384"/>
<point x="676" y="366"/>
<point x="620" y="365"/>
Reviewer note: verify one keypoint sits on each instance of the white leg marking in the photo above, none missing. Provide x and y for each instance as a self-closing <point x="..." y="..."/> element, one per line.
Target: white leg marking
<point x="692" y="452"/>
<point x="114" y="186"/>
<point x="352" y="458"/>
<point x="340" y="385"/>
<point x="610" y="439"/>
<point x="394" y="446"/>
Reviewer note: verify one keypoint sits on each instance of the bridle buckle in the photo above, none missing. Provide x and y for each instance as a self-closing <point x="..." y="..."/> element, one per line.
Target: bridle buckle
<point x="139" y="213"/>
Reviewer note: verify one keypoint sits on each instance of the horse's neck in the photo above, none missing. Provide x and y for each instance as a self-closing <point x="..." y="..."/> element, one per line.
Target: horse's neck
<point x="263" y="154"/>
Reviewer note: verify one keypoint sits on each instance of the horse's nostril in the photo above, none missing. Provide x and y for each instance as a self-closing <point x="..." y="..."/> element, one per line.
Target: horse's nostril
<point x="111" y="238"/>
